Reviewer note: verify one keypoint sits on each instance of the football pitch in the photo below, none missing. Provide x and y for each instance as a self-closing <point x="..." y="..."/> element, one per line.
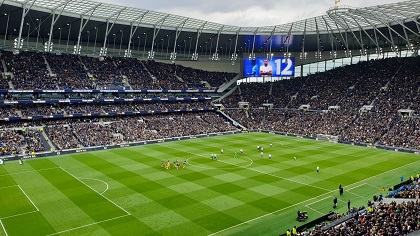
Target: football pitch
<point x="126" y="191"/>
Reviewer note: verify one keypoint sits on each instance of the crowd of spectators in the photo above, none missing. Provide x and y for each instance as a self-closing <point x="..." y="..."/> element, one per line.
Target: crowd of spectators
<point x="349" y="87"/>
<point x="4" y="83"/>
<point x="75" y="133"/>
<point x="40" y="110"/>
<point x="10" y="142"/>
<point x="232" y="99"/>
<point x="105" y="72"/>
<point x="20" y="124"/>
<point x="29" y="70"/>
<point x="370" y="127"/>
<point x="137" y="75"/>
<point x="403" y="132"/>
<point x="337" y="99"/>
<point x="62" y="137"/>
<point x="89" y="132"/>
<point x="168" y="125"/>
<point x="174" y="76"/>
<point x="380" y="219"/>
<point x="70" y="72"/>
<point x="18" y="141"/>
<point x="240" y="115"/>
<point x="165" y="75"/>
<point x="105" y="107"/>
<point x="33" y="140"/>
<point x="8" y="111"/>
<point x="94" y="134"/>
<point x="197" y="76"/>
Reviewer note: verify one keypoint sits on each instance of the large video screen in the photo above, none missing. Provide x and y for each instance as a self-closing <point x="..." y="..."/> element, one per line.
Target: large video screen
<point x="276" y="67"/>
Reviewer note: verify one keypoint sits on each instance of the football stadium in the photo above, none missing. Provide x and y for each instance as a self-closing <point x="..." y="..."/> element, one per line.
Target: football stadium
<point x="117" y="120"/>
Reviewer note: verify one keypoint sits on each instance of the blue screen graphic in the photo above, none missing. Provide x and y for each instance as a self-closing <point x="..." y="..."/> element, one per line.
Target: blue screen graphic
<point x="276" y="67"/>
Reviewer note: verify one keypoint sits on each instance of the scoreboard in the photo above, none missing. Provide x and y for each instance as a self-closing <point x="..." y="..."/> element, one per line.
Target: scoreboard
<point x="276" y="67"/>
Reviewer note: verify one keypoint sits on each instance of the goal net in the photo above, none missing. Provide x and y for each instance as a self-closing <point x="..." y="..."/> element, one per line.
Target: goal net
<point x="327" y="137"/>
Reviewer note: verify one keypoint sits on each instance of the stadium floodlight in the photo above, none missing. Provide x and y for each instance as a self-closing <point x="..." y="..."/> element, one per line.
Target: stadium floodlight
<point x="194" y="56"/>
<point x="233" y="58"/>
<point x="127" y="53"/>
<point x="396" y="50"/>
<point x="173" y="57"/>
<point x="318" y="55"/>
<point x="270" y="56"/>
<point x="333" y="54"/>
<point x="251" y="56"/>
<point x="76" y="50"/>
<point x="17" y="45"/>
<point x="287" y="55"/>
<point x="348" y="53"/>
<point x="215" y="56"/>
<point x="103" y="52"/>
<point x="410" y="47"/>
<point x="48" y="46"/>
<point x="303" y="55"/>
<point x="151" y="55"/>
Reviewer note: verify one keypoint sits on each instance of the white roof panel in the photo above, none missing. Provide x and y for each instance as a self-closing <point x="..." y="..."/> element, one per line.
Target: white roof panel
<point x="342" y="18"/>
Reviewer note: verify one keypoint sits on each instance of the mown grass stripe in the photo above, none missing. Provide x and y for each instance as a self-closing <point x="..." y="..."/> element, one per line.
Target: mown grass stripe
<point x="89" y="201"/>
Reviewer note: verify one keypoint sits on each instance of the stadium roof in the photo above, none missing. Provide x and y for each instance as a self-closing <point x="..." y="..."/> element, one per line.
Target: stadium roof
<point x="341" y="28"/>
<point x="343" y="18"/>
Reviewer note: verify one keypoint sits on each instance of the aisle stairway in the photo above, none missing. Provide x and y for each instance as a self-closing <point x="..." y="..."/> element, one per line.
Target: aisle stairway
<point x="46" y="141"/>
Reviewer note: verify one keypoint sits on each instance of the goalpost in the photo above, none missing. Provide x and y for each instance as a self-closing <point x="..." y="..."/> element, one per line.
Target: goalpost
<point x="327" y="137"/>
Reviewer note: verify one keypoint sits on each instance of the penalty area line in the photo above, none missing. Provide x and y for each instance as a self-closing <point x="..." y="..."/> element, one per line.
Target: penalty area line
<point x="84" y="226"/>
<point x="8" y="186"/>
<point x="107" y="186"/>
<point x="21" y="214"/>
<point x="128" y="213"/>
<point x="28" y="198"/>
<point x="4" y="229"/>
<point x="29" y="171"/>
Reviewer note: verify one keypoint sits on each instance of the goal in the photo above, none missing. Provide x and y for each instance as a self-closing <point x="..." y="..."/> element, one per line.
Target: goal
<point x="327" y="137"/>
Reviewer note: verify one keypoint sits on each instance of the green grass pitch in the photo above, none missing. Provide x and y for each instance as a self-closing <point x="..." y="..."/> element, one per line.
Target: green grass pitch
<point x="126" y="192"/>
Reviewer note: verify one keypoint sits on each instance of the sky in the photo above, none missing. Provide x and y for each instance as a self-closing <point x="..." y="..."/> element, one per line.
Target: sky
<point x="246" y="12"/>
